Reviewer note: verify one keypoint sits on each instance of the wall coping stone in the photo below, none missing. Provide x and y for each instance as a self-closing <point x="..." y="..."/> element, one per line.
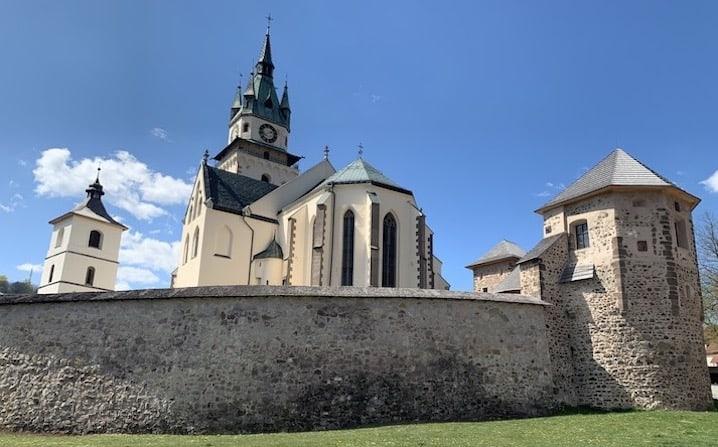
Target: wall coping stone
<point x="268" y="291"/>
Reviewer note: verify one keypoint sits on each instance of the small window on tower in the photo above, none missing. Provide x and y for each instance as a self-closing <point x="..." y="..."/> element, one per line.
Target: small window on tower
<point x="266" y="178"/>
<point x="582" y="240"/>
<point x="90" y="276"/>
<point x="266" y="155"/>
<point x="642" y="245"/>
<point x="95" y="239"/>
<point x="245" y="127"/>
<point x="52" y="273"/>
<point x="677" y="206"/>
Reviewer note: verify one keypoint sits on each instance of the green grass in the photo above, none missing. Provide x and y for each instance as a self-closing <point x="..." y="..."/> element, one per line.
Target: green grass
<point x="654" y="429"/>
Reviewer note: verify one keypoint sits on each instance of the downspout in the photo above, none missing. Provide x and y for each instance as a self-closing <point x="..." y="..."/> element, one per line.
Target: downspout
<point x="331" y="252"/>
<point x="251" y="247"/>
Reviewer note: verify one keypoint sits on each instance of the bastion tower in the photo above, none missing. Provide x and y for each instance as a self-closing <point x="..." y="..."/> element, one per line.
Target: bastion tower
<point x="618" y="263"/>
<point x="84" y="248"/>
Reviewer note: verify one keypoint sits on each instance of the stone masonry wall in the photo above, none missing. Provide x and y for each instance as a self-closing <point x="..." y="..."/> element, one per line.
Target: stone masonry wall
<point x="490" y="275"/>
<point x="634" y="330"/>
<point x="254" y="358"/>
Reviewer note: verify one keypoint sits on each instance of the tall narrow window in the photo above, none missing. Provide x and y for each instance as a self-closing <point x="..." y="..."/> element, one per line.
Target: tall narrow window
<point x="681" y="234"/>
<point x="90" y="276"/>
<point x="582" y="235"/>
<point x="348" y="249"/>
<point x="52" y="273"/>
<point x="388" y="255"/>
<point x="195" y="242"/>
<point x="186" y="249"/>
<point x="60" y="236"/>
<point x="245" y="127"/>
<point x="95" y="239"/>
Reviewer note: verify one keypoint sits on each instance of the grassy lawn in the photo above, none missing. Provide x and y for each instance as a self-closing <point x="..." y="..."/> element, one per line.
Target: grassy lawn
<point x="654" y="429"/>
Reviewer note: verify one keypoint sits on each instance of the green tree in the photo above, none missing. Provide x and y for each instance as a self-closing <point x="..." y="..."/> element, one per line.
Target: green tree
<point x="4" y="284"/>
<point x="19" y="287"/>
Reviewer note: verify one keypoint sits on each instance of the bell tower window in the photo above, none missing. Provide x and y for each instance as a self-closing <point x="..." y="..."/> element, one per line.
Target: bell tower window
<point x="245" y="127"/>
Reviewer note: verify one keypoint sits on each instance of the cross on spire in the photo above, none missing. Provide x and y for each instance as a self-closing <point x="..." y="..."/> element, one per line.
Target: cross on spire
<point x="361" y="150"/>
<point x="269" y="21"/>
<point x="99" y="168"/>
<point x="326" y="152"/>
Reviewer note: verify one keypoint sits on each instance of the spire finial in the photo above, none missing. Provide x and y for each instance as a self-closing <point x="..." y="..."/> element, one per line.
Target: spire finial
<point x="205" y="156"/>
<point x="269" y="21"/>
<point x="360" y="150"/>
<point x="99" y="168"/>
<point x="326" y="152"/>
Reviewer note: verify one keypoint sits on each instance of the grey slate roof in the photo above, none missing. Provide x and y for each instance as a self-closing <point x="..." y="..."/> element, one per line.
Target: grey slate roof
<point x="93" y="202"/>
<point x="360" y="171"/>
<point x="511" y="283"/>
<point x="231" y="192"/>
<point x="539" y="249"/>
<point x="617" y="169"/>
<point x="503" y="250"/>
<point x="273" y="250"/>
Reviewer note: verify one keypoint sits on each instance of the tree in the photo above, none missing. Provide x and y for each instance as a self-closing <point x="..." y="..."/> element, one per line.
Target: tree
<point x="707" y="242"/>
<point x="19" y="287"/>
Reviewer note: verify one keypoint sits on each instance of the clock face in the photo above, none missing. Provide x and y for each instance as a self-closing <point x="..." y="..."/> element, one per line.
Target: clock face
<point x="268" y="133"/>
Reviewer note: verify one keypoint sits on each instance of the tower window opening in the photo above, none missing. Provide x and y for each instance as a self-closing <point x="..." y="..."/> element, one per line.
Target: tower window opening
<point x="582" y="240"/>
<point x="95" y="239"/>
<point x="642" y="245"/>
<point x="677" y="206"/>
<point x="52" y="273"/>
<point x="681" y="234"/>
<point x="60" y="236"/>
<point x="90" y="276"/>
<point x="266" y="155"/>
<point x="266" y="178"/>
<point x="245" y="127"/>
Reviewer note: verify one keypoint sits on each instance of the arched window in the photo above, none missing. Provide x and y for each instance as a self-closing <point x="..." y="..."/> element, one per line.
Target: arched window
<point x="60" y="236"/>
<point x="90" y="276"/>
<point x="198" y="205"/>
<point x="581" y="231"/>
<point x="266" y="178"/>
<point x="190" y="211"/>
<point x="266" y="155"/>
<point x="195" y="242"/>
<point x="186" y="250"/>
<point x="95" y="239"/>
<point x="348" y="249"/>
<point x="388" y="255"/>
<point x="52" y="273"/>
<point x="223" y="242"/>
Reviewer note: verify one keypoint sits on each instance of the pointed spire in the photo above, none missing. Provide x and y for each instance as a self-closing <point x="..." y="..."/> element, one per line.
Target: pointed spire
<point x="284" y="103"/>
<point x="237" y="101"/>
<point x="264" y="65"/>
<point x="94" y="191"/>
<point x="249" y="92"/>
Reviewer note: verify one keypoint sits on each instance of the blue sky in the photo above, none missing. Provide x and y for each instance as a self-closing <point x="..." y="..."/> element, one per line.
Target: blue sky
<point x="482" y="108"/>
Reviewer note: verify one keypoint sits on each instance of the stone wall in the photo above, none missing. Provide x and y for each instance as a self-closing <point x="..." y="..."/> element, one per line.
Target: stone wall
<point x="632" y="333"/>
<point x="488" y="276"/>
<point x="252" y="358"/>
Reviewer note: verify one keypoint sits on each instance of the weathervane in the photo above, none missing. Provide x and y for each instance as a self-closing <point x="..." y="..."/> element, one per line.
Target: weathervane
<point x="205" y="156"/>
<point x="361" y="150"/>
<point x="269" y="21"/>
<point x="326" y="152"/>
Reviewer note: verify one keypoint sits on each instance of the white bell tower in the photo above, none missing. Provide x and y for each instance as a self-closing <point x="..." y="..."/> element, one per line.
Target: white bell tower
<point x="84" y="248"/>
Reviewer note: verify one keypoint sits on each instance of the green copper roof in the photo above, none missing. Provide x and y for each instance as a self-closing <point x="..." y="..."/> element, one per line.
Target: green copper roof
<point x="360" y="171"/>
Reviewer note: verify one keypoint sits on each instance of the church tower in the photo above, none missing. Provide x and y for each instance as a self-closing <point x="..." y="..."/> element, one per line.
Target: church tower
<point x="258" y="133"/>
<point x="84" y="248"/>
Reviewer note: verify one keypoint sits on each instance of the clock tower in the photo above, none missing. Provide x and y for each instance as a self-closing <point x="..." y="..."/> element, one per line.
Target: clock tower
<point x="258" y="134"/>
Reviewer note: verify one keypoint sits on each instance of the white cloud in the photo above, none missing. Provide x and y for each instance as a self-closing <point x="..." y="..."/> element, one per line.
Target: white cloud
<point x="130" y="184"/>
<point x="28" y="267"/>
<point x="136" y="275"/>
<point x="711" y="183"/>
<point x="160" y="133"/>
<point x="138" y="250"/>
<point x="15" y="201"/>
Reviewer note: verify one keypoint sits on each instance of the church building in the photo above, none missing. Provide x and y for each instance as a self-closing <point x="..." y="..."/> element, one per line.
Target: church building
<point x="253" y="218"/>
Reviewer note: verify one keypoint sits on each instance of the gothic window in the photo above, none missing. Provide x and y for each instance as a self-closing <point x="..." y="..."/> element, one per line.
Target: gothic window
<point x="348" y="249"/>
<point x="95" y="239"/>
<point x="198" y="205"/>
<point x="266" y="178"/>
<point x="190" y="212"/>
<point x="60" y="236"/>
<point x="195" y="242"/>
<point x="388" y="256"/>
<point x="582" y="240"/>
<point x="186" y="249"/>
<point x="223" y="243"/>
<point x="90" y="276"/>
<point x="52" y="273"/>
<point x="266" y="155"/>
